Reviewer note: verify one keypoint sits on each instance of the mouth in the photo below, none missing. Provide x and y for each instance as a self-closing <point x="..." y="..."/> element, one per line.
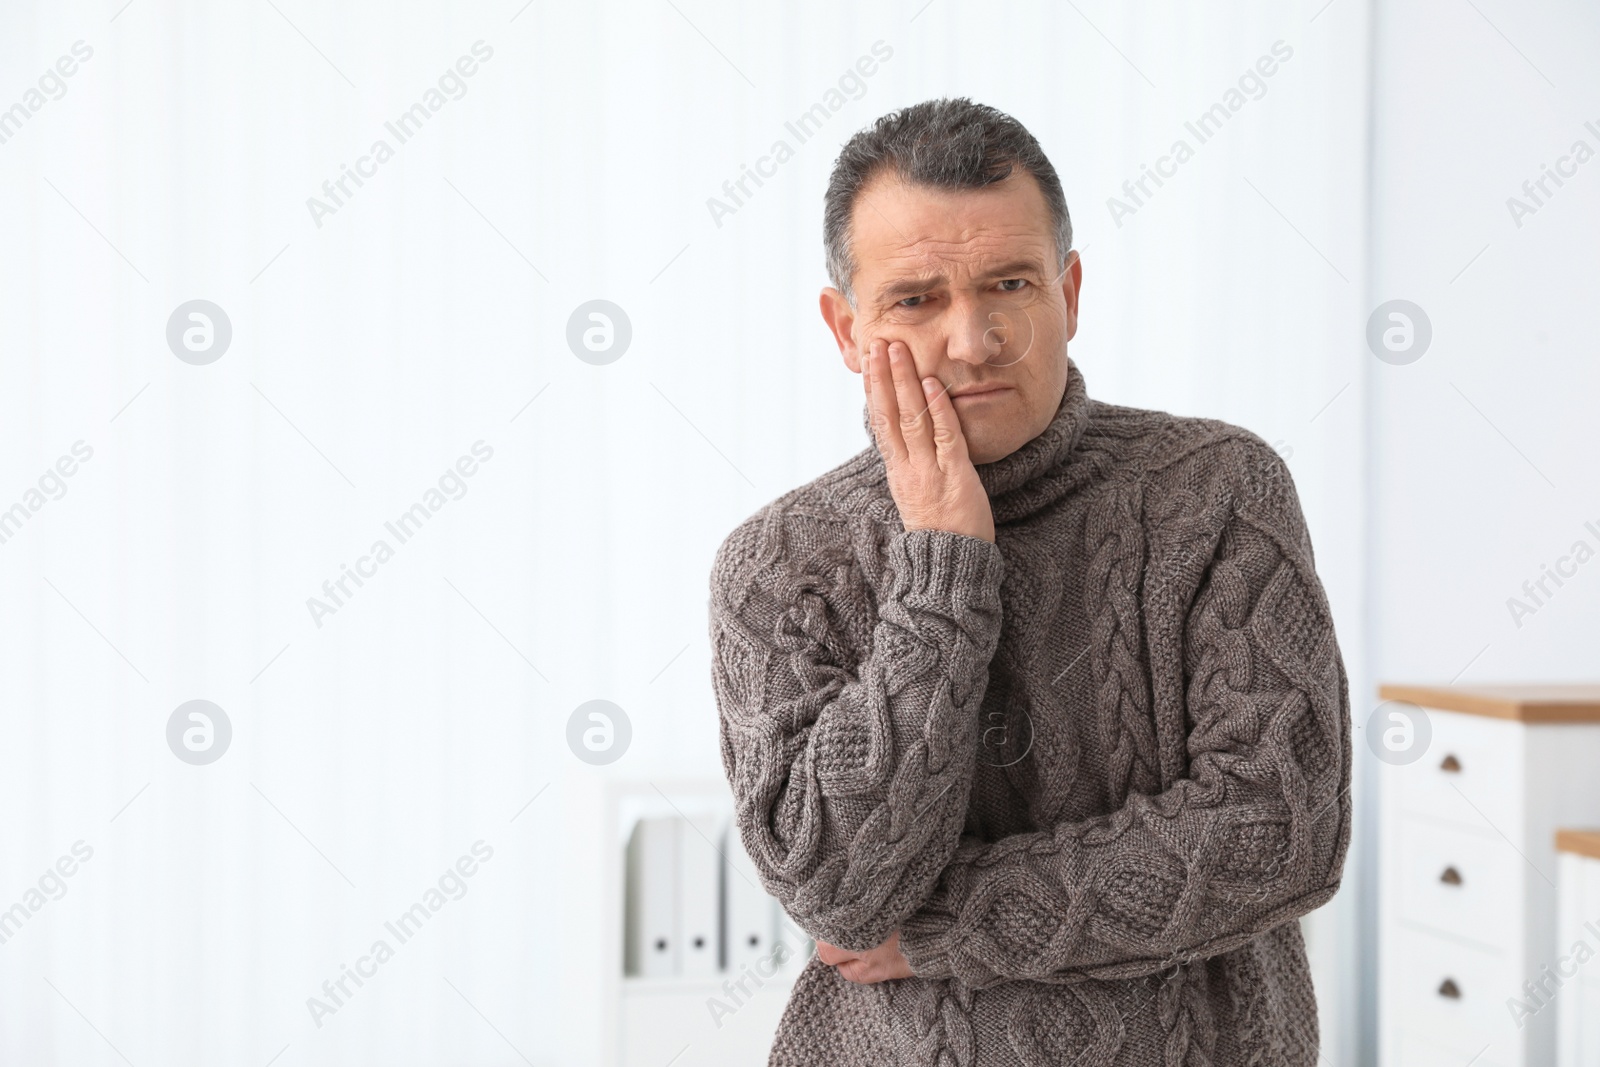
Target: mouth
<point x="981" y="392"/>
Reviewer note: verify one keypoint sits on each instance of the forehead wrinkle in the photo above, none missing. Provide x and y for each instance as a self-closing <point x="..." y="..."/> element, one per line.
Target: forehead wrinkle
<point x="981" y="242"/>
<point x="980" y="238"/>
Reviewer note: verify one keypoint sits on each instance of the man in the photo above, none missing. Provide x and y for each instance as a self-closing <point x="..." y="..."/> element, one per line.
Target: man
<point x="1033" y="711"/>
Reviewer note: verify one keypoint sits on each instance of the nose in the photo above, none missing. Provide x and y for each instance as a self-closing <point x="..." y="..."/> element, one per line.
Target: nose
<point x="978" y="334"/>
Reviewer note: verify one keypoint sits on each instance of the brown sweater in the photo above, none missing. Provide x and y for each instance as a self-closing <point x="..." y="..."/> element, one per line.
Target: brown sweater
<point x="1093" y="771"/>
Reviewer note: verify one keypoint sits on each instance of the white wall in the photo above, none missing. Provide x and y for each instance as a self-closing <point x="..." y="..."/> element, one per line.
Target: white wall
<point x="1482" y="451"/>
<point x="369" y="353"/>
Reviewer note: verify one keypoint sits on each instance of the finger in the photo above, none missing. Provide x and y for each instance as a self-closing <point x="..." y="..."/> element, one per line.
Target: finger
<point x="950" y="443"/>
<point x="914" y="428"/>
<point x="852" y="971"/>
<point x="833" y="955"/>
<point x="885" y="411"/>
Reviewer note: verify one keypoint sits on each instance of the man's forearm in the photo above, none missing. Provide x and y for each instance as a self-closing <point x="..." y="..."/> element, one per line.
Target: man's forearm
<point x="851" y="787"/>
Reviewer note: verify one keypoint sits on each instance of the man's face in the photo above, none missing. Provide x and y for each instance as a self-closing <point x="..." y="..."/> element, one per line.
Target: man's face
<point x="967" y="279"/>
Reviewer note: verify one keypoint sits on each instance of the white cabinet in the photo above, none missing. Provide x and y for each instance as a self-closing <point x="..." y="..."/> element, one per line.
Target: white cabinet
<point x="1467" y="867"/>
<point x="1576" y="951"/>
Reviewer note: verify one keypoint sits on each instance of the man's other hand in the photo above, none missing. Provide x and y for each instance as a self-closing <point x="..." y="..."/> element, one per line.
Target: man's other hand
<point x="874" y="965"/>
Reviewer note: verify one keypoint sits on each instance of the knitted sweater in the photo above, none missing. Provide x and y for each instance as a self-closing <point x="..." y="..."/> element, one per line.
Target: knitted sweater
<point x="1093" y="771"/>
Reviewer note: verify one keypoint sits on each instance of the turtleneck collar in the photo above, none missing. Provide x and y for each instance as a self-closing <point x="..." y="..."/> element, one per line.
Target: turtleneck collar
<point x="1034" y="475"/>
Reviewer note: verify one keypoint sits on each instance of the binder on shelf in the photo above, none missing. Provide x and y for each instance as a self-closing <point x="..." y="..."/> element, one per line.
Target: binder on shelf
<point x="700" y="894"/>
<point x="751" y="915"/>
<point x="651" y="935"/>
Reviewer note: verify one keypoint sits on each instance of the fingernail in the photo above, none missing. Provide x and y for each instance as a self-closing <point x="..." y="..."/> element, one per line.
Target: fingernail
<point x="930" y="385"/>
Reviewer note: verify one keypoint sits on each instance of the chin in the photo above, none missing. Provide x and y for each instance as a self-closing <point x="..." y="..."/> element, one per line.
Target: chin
<point x="995" y="433"/>
<point x="982" y="448"/>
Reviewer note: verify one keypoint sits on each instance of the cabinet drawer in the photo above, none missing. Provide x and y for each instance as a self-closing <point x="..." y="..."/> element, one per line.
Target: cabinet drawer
<point x="1456" y="995"/>
<point x="1471" y="774"/>
<point x="1463" y="883"/>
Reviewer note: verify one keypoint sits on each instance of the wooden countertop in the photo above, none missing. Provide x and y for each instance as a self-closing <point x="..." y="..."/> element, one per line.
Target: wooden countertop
<point x="1581" y="842"/>
<point x="1524" y="703"/>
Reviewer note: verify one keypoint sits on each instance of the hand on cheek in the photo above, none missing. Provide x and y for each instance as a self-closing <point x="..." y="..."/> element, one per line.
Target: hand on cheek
<point x="877" y="341"/>
<point x="914" y="424"/>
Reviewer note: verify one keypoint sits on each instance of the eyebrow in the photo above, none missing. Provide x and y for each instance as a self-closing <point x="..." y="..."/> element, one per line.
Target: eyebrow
<point x="904" y="287"/>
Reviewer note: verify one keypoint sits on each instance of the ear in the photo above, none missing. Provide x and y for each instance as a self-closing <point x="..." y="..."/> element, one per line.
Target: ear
<point x="841" y="319"/>
<point x="1071" y="284"/>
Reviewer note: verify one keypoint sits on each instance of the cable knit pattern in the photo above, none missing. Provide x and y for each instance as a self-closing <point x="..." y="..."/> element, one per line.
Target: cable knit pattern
<point x="1093" y="771"/>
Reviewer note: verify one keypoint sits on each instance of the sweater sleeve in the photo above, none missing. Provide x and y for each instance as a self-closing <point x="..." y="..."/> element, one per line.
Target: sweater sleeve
<point x="849" y="736"/>
<point x="1252" y="835"/>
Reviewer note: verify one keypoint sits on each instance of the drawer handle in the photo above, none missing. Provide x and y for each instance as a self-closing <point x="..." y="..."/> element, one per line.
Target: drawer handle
<point x="1448" y="988"/>
<point x="1451" y="876"/>
<point x="1450" y="765"/>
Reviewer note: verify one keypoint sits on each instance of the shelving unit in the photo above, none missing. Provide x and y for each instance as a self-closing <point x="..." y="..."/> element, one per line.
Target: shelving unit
<point x="649" y="1022"/>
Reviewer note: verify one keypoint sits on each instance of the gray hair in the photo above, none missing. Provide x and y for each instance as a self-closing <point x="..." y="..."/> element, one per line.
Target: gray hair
<point x="950" y="143"/>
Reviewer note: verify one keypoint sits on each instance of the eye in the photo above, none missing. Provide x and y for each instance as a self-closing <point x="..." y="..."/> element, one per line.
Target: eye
<point x="1012" y="285"/>
<point x="907" y="302"/>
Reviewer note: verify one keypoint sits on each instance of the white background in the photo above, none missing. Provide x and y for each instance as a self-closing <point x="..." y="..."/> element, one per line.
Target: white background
<point x="430" y="312"/>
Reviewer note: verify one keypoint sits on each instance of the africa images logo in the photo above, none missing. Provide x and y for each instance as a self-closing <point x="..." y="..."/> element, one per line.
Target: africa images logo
<point x="199" y="732"/>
